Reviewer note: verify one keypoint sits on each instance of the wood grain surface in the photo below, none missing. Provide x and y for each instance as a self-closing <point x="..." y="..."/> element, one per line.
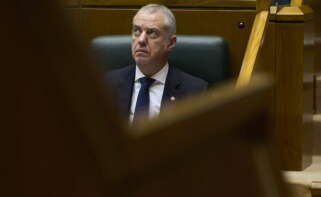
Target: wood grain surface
<point x="262" y="5"/>
<point x="287" y="13"/>
<point x="176" y="3"/>
<point x="52" y="113"/>
<point x="70" y="3"/>
<point x="294" y="96"/>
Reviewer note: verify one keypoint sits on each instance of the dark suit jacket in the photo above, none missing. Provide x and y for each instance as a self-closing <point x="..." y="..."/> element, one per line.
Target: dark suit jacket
<point x="178" y="84"/>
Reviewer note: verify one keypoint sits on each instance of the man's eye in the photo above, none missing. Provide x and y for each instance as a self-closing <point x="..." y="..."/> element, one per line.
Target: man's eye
<point x="136" y="31"/>
<point x="152" y="33"/>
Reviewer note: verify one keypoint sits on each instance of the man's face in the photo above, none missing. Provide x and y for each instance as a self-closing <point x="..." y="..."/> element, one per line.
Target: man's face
<point x="151" y="42"/>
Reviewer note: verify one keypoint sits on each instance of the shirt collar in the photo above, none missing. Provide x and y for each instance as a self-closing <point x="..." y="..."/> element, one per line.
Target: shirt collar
<point x="160" y="76"/>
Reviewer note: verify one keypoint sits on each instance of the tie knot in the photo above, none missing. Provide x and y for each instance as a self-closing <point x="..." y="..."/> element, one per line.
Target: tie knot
<point x="146" y="81"/>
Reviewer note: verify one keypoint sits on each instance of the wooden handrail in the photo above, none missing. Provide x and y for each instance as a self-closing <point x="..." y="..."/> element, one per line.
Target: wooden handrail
<point x="252" y="49"/>
<point x="296" y="3"/>
<point x="254" y="43"/>
<point x="262" y="5"/>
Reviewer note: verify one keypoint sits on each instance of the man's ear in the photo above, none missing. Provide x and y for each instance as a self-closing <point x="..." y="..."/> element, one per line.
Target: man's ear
<point x="172" y="42"/>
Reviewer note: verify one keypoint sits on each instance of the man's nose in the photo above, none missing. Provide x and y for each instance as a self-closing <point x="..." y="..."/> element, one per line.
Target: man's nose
<point x="142" y="39"/>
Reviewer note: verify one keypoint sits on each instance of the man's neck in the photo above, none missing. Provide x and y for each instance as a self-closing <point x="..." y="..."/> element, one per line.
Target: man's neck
<point x="150" y="70"/>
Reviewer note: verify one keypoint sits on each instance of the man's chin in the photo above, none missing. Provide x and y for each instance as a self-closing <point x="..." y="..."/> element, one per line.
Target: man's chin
<point x="142" y="61"/>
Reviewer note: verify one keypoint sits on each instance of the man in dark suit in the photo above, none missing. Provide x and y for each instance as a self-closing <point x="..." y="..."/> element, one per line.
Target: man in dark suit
<point x="148" y="85"/>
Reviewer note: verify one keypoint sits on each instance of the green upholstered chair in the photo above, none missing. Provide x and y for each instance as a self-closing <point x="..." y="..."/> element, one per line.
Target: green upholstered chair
<point x="202" y="56"/>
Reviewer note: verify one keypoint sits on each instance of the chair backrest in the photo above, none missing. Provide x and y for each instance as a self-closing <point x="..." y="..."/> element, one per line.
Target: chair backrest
<point x="202" y="56"/>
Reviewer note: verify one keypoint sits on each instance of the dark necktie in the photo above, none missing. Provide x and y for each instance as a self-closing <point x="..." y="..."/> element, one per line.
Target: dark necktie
<point x="142" y="104"/>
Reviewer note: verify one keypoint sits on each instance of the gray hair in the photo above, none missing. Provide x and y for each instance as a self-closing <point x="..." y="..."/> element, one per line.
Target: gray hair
<point x="170" y="21"/>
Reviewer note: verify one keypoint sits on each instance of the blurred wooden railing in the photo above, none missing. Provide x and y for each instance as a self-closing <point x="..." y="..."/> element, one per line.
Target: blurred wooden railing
<point x="193" y="140"/>
<point x="254" y="43"/>
<point x="296" y="3"/>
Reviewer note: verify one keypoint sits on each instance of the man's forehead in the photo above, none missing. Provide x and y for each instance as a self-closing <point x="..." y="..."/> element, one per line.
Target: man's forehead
<point x="150" y="20"/>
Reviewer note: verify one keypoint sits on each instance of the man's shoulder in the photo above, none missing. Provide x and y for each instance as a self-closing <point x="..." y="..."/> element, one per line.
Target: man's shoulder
<point x="190" y="80"/>
<point x="116" y="73"/>
<point x="120" y="71"/>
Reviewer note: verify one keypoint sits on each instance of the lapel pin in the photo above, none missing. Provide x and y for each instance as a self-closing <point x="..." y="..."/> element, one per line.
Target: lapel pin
<point x="172" y="98"/>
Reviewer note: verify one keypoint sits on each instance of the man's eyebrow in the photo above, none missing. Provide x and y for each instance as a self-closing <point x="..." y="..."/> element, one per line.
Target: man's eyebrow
<point x="136" y="26"/>
<point x="152" y="28"/>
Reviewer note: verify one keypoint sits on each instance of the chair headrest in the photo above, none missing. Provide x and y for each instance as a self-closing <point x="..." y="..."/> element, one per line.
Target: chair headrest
<point x="203" y="56"/>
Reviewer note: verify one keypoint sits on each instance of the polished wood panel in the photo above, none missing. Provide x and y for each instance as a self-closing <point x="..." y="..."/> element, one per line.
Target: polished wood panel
<point x="295" y="14"/>
<point x="71" y="3"/>
<point x="52" y="113"/>
<point x="262" y="5"/>
<point x="287" y="54"/>
<point x="97" y="22"/>
<point x="177" y="3"/>
<point x="294" y="94"/>
<point x="73" y="18"/>
<point x="206" y="22"/>
<point x="317" y="96"/>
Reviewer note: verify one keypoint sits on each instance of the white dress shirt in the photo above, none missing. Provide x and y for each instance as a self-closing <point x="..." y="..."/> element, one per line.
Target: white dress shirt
<point x="156" y="91"/>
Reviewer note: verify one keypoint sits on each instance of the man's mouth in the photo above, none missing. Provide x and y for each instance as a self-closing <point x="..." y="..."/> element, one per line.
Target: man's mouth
<point x="141" y="51"/>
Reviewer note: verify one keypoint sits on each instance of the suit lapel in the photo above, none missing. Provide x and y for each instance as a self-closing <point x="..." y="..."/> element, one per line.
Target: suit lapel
<point x="126" y="86"/>
<point x="172" y="86"/>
